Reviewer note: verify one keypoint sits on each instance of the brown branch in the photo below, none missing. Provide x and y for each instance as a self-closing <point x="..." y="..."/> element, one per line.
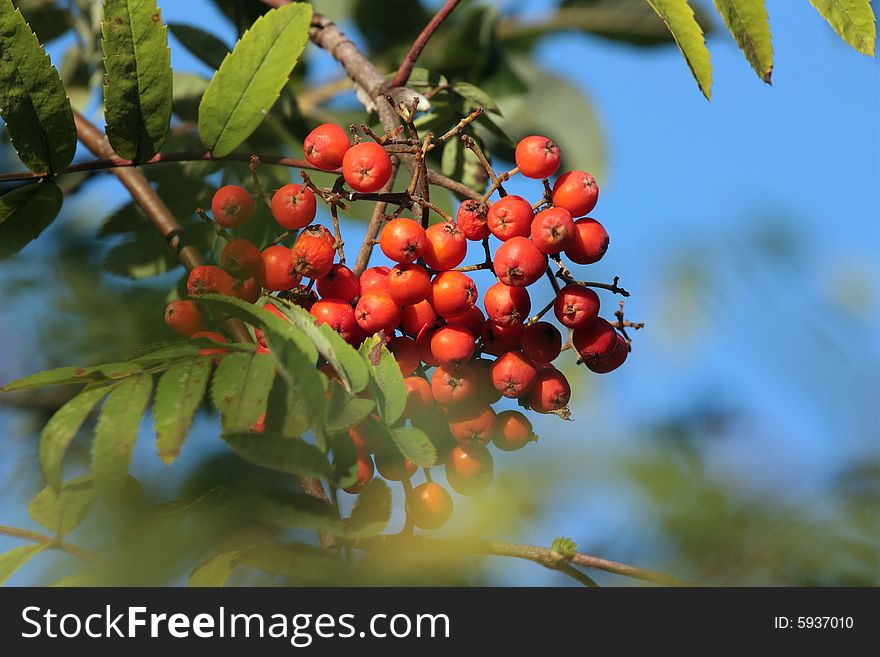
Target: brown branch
<point x="52" y="543"/>
<point x="154" y="207"/>
<point x="409" y="61"/>
<point x="540" y="555"/>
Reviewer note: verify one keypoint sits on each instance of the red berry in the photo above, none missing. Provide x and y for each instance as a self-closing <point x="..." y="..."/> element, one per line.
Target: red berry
<point x="338" y="315"/>
<point x="241" y="259"/>
<point x="590" y="242"/>
<point x="576" y="306"/>
<point x="513" y="431"/>
<point x="374" y="277"/>
<point x="472" y="319"/>
<point x="406" y="353"/>
<point x="553" y="230"/>
<point x="208" y="279"/>
<point x="452" y="293"/>
<point x="452" y="346"/>
<point x="416" y="317"/>
<point x="408" y="283"/>
<point x="429" y="505"/>
<point x="577" y="192"/>
<point x="419" y="398"/>
<point x="597" y="340"/>
<point x="339" y="283"/>
<point x="472" y="422"/>
<point x="326" y="145"/>
<point x="471" y="220"/>
<point x="446" y="246"/>
<point x="364" y="474"/>
<point x="394" y="467"/>
<point x="423" y="342"/>
<point x="513" y="375"/>
<point x="551" y="391"/>
<point x="501" y="339"/>
<point x="453" y="387"/>
<point x="366" y="167"/>
<point x="537" y="157"/>
<point x="541" y="342"/>
<point x="184" y="317"/>
<point x="485" y="389"/>
<point x="509" y="217"/>
<point x="506" y="306"/>
<point x="518" y="262"/>
<point x="294" y="206"/>
<point x="403" y="240"/>
<point x="232" y="206"/>
<point x="376" y="311"/>
<point x="469" y="468"/>
<point x="247" y="290"/>
<point x="611" y="362"/>
<point x="278" y="269"/>
<point x="312" y="254"/>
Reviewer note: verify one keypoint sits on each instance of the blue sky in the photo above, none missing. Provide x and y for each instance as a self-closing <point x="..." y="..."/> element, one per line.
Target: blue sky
<point x="695" y="195"/>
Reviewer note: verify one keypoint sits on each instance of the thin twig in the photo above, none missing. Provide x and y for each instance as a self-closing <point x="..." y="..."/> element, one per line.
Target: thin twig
<point x="52" y="543"/>
<point x="409" y="61"/>
<point x="540" y="555"/>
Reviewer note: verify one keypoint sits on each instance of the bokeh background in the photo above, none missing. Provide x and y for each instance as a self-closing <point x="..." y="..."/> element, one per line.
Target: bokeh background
<point x="739" y="445"/>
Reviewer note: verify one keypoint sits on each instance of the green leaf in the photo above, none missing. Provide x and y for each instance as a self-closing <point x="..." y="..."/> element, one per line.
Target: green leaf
<point x="371" y="511"/>
<point x="62" y="511"/>
<point x="415" y="445"/>
<point x="61" y="429"/>
<point x="178" y="395"/>
<point x="304" y="562"/>
<point x="341" y="355"/>
<point x="240" y="389"/>
<point x="215" y="571"/>
<point x="68" y="375"/>
<point x="292" y="456"/>
<point x="26" y="212"/>
<point x="748" y="23"/>
<point x="251" y="77"/>
<point x="137" y="80"/>
<point x="853" y="20"/>
<point x="188" y="91"/>
<point x="286" y="413"/>
<point x="169" y="353"/>
<point x="345" y="411"/>
<point x="32" y="98"/>
<point x="76" y="77"/>
<point x="269" y="322"/>
<point x="204" y="45"/>
<point x="386" y="379"/>
<point x="477" y="96"/>
<point x="292" y="511"/>
<point x="679" y="18"/>
<point x="117" y="431"/>
<point x="16" y="558"/>
<point x="146" y="255"/>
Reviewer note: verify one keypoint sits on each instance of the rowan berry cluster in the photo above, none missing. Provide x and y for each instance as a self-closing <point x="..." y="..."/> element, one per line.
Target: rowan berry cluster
<point x="458" y="359"/>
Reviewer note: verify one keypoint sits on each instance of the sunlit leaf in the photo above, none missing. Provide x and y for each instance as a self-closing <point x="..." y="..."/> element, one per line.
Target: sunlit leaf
<point x="748" y="23"/>
<point x="853" y="20"/>
<point x="251" y="77"/>
<point x="679" y="18"/>
<point x="215" y="571"/>
<point x="11" y="561"/>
